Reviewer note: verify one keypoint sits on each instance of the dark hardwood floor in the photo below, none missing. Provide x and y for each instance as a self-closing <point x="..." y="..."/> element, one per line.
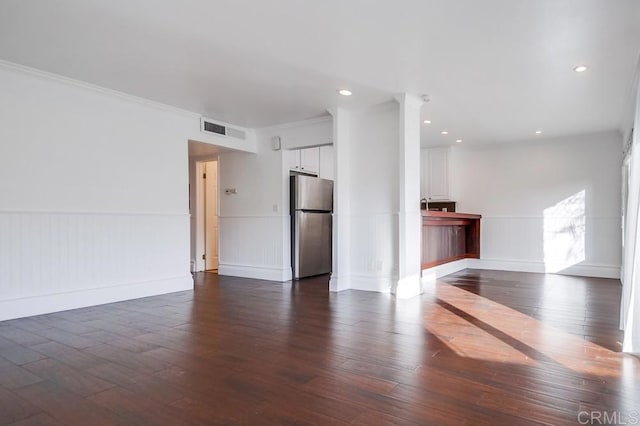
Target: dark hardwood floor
<point x="479" y="347"/>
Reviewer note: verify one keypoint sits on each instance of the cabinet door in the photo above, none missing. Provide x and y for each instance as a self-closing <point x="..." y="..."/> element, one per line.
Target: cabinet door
<point x="292" y="157"/>
<point x="310" y="160"/>
<point x="326" y="162"/>
<point x="438" y="173"/>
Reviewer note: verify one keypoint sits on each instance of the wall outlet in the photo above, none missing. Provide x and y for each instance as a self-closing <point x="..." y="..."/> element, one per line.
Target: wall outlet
<point x="230" y="191"/>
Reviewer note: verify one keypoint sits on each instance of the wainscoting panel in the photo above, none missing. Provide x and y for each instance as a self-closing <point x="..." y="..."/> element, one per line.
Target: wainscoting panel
<point x="252" y="247"/>
<point x="580" y="245"/>
<point x="373" y="251"/>
<point x="64" y="255"/>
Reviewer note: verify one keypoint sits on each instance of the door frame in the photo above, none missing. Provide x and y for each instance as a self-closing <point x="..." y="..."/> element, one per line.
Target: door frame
<point x="200" y="213"/>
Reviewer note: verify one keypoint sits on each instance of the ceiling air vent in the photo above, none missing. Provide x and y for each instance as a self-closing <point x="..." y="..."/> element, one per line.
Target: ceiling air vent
<point x="210" y="126"/>
<point x="214" y="128"/>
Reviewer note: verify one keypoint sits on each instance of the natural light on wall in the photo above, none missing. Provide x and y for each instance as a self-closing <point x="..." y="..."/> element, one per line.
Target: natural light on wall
<point x="564" y="233"/>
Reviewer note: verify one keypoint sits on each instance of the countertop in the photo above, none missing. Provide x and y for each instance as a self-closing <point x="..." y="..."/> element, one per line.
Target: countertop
<point x="449" y="215"/>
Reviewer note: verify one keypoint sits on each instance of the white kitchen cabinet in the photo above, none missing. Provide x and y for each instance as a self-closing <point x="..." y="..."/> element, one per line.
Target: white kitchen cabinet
<point x="326" y="162"/>
<point x="306" y="160"/>
<point x="435" y="174"/>
<point x="292" y="157"/>
<point x="310" y="160"/>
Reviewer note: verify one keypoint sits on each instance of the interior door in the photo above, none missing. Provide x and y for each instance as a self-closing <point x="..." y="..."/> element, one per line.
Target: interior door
<point x="211" y="215"/>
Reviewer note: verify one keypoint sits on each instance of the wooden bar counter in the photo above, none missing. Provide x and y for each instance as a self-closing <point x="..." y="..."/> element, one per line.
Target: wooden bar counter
<point x="449" y="236"/>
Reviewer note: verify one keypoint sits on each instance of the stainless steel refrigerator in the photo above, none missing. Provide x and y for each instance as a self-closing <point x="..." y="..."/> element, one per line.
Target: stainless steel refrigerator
<point x="311" y="225"/>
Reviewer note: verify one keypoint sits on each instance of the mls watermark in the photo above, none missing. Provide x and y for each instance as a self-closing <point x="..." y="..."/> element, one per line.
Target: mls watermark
<point x="608" y="418"/>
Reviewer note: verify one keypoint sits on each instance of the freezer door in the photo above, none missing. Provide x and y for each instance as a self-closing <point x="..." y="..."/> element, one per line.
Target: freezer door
<point x="312" y="193"/>
<point x="312" y="254"/>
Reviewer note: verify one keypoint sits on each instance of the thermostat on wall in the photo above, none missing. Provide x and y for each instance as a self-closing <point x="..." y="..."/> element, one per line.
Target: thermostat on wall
<point x="276" y="143"/>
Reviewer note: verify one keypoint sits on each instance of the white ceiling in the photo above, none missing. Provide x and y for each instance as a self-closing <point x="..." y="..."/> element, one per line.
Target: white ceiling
<point x="496" y="70"/>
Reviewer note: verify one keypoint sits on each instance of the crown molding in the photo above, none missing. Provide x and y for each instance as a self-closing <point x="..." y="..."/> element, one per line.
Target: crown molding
<point x="45" y="75"/>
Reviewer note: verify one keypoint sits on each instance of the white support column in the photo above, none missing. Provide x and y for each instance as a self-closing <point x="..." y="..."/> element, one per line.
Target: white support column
<point x="341" y="274"/>
<point x="409" y="220"/>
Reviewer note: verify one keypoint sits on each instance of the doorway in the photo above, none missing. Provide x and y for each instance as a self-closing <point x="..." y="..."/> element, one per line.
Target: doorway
<point x="206" y="224"/>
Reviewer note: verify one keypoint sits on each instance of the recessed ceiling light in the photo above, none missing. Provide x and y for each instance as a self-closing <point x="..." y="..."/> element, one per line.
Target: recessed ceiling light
<point x="458" y="140"/>
<point x="581" y="68"/>
<point x="538" y="132"/>
<point x="444" y="132"/>
<point x="345" y="92"/>
<point x="427" y="121"/>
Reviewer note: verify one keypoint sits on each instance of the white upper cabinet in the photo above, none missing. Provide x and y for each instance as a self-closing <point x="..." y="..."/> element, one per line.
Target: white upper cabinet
<point x="306" y="160"/>
<point x="326" y="162"/>
<point x="292" y="157"/>
<point x="310" y="160"/>
<point x="435" y="174"/>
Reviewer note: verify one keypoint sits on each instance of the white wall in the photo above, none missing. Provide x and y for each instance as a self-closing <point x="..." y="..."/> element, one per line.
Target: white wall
<point x="301" y="134"/>
<point x="512" y="185"/>
<point x="251" y="221"/>
<point x="255" y="222"/>
<point x="93" y="194"/>
<point x="630" y="300"/>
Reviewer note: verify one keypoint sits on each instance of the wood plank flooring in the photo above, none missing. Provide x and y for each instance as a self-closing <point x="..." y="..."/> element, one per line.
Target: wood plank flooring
<point x="479" y="347"/>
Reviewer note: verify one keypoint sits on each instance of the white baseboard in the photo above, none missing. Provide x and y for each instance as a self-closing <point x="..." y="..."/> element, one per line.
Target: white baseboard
<point x="339" y="283"/>
<point x="582" y="270"/>
<point x="408" y="287"/>
<point x="432" y="274"/>
<point x="506" y="265"/>
<point x="384" y="284"/>
<point x="371" y="283"/>
<point x="45" y="304"/>
<point x="256" y="272"/>
<point x="598" y="271"/>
